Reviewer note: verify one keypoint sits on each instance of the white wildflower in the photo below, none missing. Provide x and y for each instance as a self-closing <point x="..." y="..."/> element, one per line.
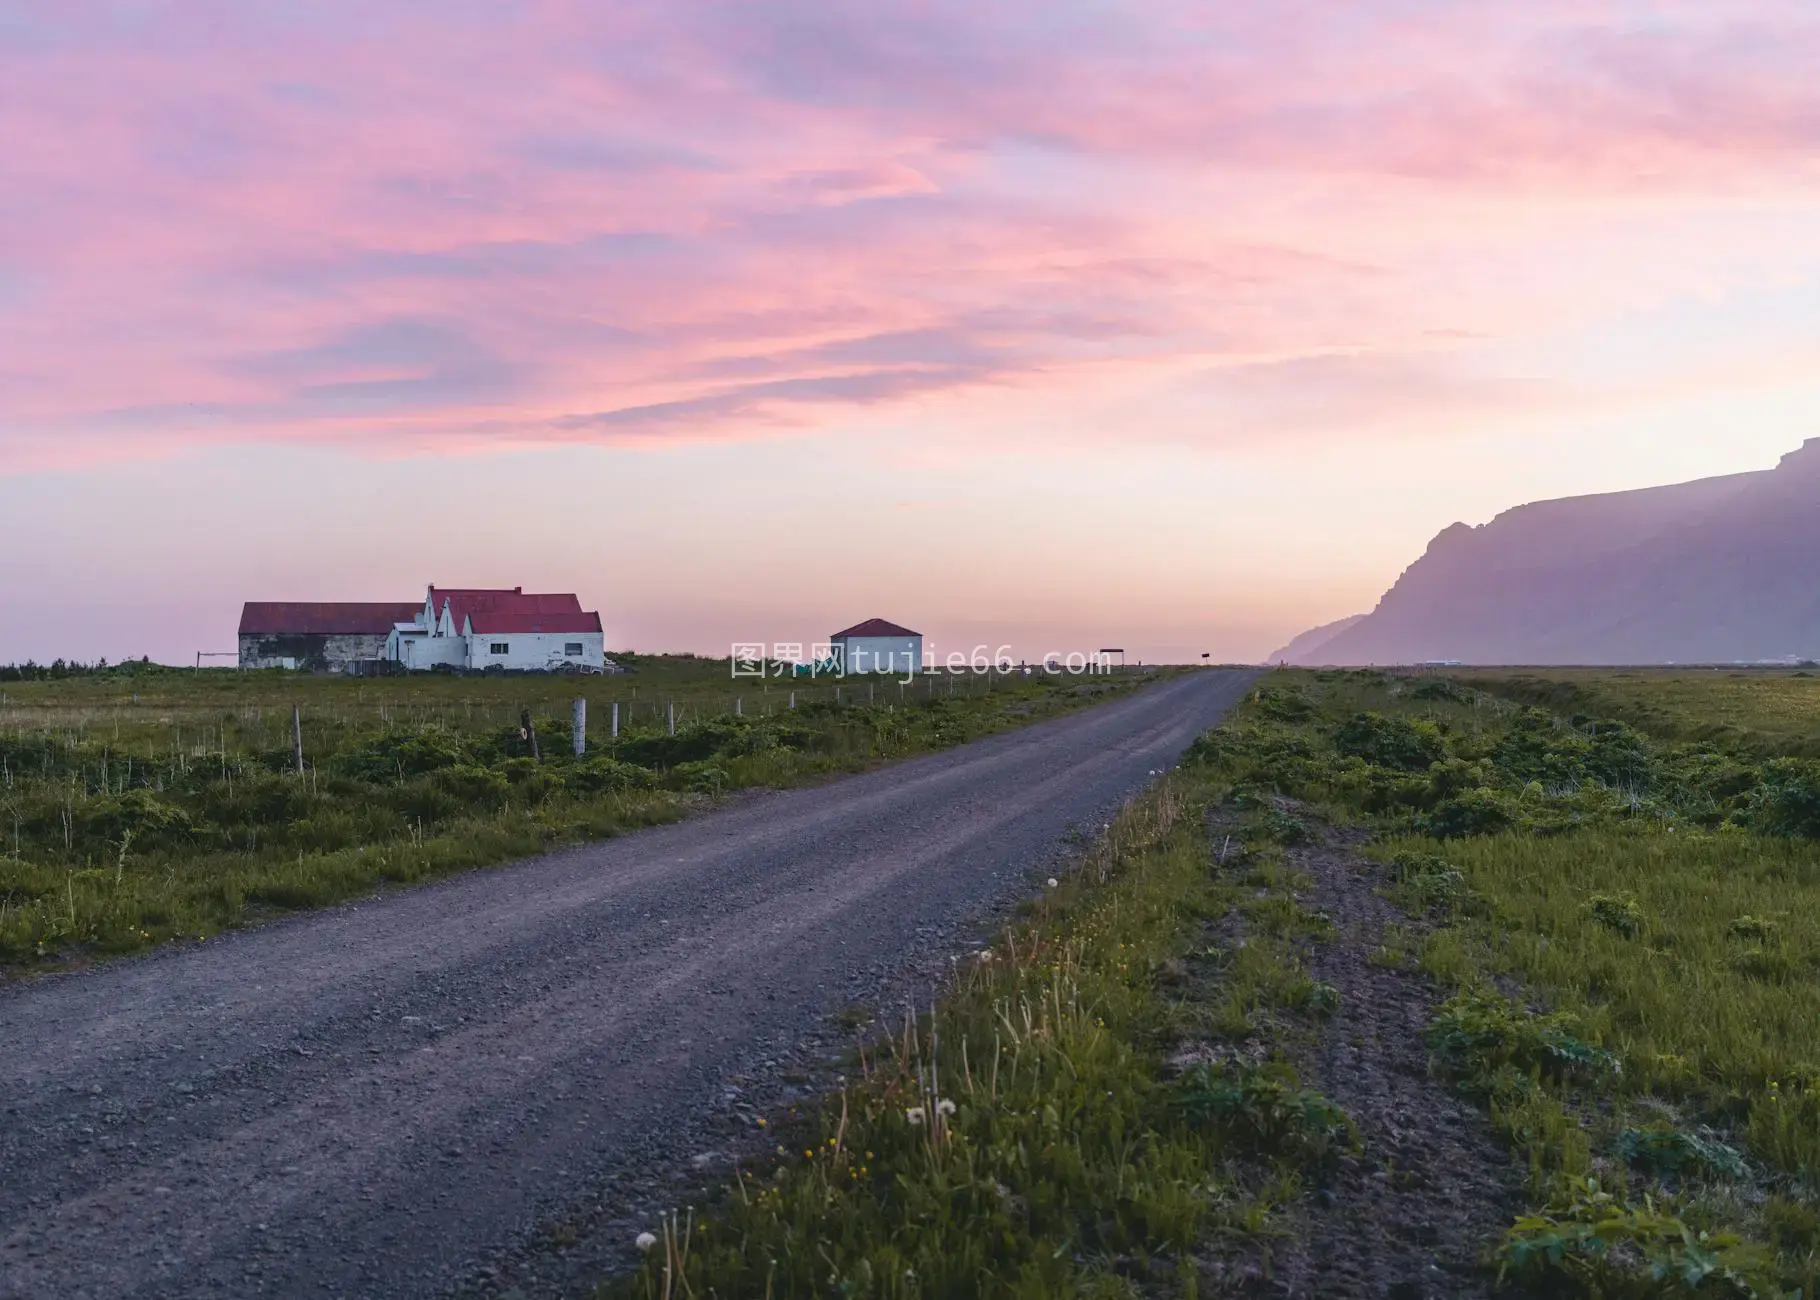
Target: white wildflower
<point x="944" y="1107"/>
<point x="915" y="1115"/>
<point x="645" y="1241"/>
<point x="1053" y="882"/>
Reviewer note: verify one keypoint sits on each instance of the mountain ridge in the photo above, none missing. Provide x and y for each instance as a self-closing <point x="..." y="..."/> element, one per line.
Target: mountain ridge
<point x="1714" y="570"/>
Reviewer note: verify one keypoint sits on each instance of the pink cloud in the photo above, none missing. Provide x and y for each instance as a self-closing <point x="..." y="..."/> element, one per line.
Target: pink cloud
<point x="421" y="226"/>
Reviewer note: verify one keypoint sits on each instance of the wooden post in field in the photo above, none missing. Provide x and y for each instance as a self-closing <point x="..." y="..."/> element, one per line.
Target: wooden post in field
<point x="793" y="699"/>
<point x="837" y="695"/>
<point x="527" y="731"/>
<point x="672" y="717"/>
<point x="738" y="709"/>
<point x="297" y="738"/>
<point x="869" y="695"/>
<point x="580" y="727"/>
<point x="616" y="719"/>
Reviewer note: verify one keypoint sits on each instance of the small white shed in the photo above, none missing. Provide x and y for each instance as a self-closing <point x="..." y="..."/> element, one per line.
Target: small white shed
<point x="878" y="646"/>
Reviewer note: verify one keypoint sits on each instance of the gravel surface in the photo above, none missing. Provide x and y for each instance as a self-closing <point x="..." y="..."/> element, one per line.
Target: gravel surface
<point x="382" y="1098"/>
<point x="1415" y="1213"/>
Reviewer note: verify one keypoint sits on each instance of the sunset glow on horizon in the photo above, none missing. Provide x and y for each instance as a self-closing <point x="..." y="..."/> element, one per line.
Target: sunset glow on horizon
<point x="1175" y="326"/>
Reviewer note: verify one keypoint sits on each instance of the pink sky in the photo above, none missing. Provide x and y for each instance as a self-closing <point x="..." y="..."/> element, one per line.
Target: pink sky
<point x="1174" y="325"/>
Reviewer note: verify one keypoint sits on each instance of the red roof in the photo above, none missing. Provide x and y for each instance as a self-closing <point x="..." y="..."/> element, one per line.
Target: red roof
<point x="463" y="601"/>
<point x="531" y="621"/>
<point x="323" y="618"/>
<point x="874" y="627"/>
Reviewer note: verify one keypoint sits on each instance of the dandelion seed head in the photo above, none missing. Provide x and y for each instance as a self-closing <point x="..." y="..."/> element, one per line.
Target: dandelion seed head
<point x="645" y="1241"/>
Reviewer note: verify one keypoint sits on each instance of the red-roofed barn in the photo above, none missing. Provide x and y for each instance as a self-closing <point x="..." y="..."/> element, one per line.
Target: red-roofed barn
<point x="318" y="636"/>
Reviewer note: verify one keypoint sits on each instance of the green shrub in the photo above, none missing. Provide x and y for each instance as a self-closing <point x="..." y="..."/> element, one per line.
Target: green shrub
<point x="1285" y="703"/>
<point x="1261" y="1113"/>
<point x="1619" y="914"/>
<point x="1760" y="928"/>
<point x="1588" y="1243"/>
<point x="532" y="782"/>
<point x="138" y="815"/>
<point x="702" y="778"/>
<point x="1440" y="688"/>
<point x="1667" y="1151"/>
<point x="400" y="753"/>
<point x="1473" y="812"/>
<point x="696" y="742"/>
<point x="1620" y="756"/>
<point x="599" y="775"/>
<point x="473" y="784"/>
<point x="1427" y="881"/>
<point x="1536" y="747"/>
<point x="1482" y="1039"/>
<point x="1771" y="965"/>
<point x="423" y="802"/>
<point x="1394" y="742"/>
<point x="1282" y="827"/>
<point x="1788" y="801"/>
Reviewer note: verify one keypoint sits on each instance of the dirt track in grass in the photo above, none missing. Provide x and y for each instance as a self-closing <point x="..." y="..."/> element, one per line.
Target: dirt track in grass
<point x="1414" y="1213"/>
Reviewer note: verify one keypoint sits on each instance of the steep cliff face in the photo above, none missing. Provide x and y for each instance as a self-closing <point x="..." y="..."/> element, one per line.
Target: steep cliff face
<point x="1716" y="570"/>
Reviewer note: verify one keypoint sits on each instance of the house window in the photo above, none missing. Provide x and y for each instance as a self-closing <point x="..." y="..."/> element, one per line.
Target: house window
<point x="502" y="647"/>
<point x="572" y="649"/>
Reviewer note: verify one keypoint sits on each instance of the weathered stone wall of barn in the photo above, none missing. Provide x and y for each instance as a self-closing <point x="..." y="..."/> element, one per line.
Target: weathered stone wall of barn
<point x="313" y="652"/>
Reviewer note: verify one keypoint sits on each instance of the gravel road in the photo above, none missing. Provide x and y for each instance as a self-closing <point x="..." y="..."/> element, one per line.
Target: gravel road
<point x="377" y="1099"/>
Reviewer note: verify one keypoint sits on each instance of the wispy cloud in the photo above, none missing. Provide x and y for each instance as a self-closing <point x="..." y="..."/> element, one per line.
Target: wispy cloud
<point x="684" y="219"/>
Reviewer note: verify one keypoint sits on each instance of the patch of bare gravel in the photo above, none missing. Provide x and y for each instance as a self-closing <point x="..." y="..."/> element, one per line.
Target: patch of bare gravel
<point x="1413" y="1214"/>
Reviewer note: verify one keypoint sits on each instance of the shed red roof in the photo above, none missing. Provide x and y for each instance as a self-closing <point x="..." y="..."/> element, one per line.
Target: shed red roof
<point x="532" y="621"/>
<point x="323" y="618"/>
<point x="874" y="627"/>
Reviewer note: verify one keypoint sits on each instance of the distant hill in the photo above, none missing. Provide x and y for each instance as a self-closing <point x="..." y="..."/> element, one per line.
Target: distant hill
<point x="1305" y="649"/>
<point x="1714" y="571"/>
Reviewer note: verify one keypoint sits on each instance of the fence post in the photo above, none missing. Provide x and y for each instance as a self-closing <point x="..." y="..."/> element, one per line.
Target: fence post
<point x="738" y="708"/>
<point x="581" y="727"/>
<point x="793" y="699"/>
<point x="527" y="730"/>
<point x="837" y="695"/>
<point x="297" y="737"/>
<point x="672" y="717"/>
<point x="615" y="719"/>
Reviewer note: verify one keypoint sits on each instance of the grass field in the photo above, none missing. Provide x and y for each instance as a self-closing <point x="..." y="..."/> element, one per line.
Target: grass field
<point x="1630" y="929"/>
<point x="1763" y="711"/>
<point x="1618" y="933"/>
<point x="144" y="804"/>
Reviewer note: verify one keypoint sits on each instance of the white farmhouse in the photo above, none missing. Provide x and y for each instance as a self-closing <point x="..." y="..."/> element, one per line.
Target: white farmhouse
<point x="877" y="646"/>
<point x="475" y="629"/>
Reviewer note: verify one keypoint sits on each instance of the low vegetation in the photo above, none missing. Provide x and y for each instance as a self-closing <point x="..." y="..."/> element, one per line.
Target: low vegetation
<point x="141" y="804"/>
<point x="1073" y="1118"/>
<point x="1766" y="712"/>
<point x="1622" y="925"/>
<point x="1618" y="930"/>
